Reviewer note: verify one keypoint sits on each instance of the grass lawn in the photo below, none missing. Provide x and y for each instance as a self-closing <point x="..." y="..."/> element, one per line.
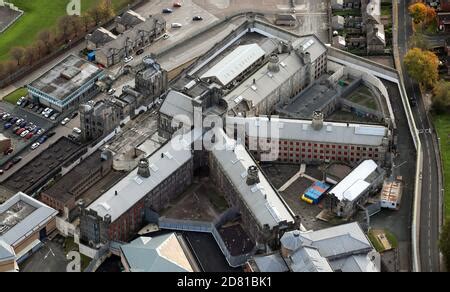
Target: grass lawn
<point x="39" y="15"/>
<point x="347" y="12"/>
<point x="442" y="123"/>
<point x="14" y="96"/>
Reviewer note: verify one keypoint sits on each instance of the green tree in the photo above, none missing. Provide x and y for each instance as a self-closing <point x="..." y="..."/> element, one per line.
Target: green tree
<point x="422" y="66"/>
<point x="441" y="97"/>
<point x="444" y="243"/>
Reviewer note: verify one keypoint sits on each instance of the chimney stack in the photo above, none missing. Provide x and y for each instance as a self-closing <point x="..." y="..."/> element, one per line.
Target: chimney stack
<point x="273" y="63"/>
<point x="144" y="169"/>
<point x="317" y="122"/>
<point x="253" y="176"/>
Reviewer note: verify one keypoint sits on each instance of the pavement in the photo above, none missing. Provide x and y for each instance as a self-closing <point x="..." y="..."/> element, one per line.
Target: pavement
<point x="431" y="202"/>
<point x="50" y="258"/>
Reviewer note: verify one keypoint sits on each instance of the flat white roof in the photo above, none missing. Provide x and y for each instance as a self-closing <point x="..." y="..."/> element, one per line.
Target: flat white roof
<point x="17" y="229"/>
<point x="355" y="184"/>
<point x="235" y="63"/>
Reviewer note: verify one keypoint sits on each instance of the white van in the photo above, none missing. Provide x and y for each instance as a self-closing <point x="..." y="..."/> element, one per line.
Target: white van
<point x="177" y="25"/>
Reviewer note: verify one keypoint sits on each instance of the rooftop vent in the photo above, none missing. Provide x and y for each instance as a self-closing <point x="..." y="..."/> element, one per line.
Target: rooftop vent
<point x="274" y="67"/>
<point x="144" y="168"/>
<point x="253" y="176"/>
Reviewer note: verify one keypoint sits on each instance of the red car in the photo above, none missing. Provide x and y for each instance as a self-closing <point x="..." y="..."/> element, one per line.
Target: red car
<point x="29" y="136"/>
<point x="20" y="131"/>
<point x="177" y="4"/>
<point x="9" y="166"/>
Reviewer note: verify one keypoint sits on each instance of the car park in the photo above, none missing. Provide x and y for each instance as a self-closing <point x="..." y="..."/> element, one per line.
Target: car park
<point x="35" y="146"/>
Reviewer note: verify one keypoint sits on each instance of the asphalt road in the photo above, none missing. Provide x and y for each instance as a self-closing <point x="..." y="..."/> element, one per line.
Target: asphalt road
<point x="431" y="194"/>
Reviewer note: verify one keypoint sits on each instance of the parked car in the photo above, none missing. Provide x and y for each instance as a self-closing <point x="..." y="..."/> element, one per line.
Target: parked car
<point x="8" y="151"/>
<point x="20" y="131"/>
<point x="166" y="36"/>
<point x="197" y="18"/>
<point x="2" y="172"/>
<point x="14" y="120"/>
<point x="25" y="103"/>
<point x="40" y="132"/>
<point x="24" y="124"/>
<point x="19" y="102"/>
<point x="49" y="135"/>
<point x="16" y="159"/>
<point x="111" y="91"/>
<point x="24" y="133"/>
<point x="9" y="166"/>
<point x="5" y="116"/>
<point x="42" y="139"/>
<point x="49" y="113"/>
<point x="167" y="10"/>
<point x="19" y="121"/>
<point x="54" y="117"/>
<point x="74" y="115"/>
<point x="177" y="4"/>
<point x="65" y="121"/>
<point x="31" y="106"/>
<point x="35" y="131"/>
<point x="76" y="131"/>
<point x="128" y="59"/>
<point x="29" y="136"/>
<point x="35" y="146"/>
<point x="8" y="126"/>
<point x="176" y="25"/>
<point x="16" y="128"/>
<point x="40" y="110"/>
<point x="140" y="52"/>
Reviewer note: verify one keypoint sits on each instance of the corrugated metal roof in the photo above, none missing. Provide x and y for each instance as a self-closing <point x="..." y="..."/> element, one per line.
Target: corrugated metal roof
<point x="235" y="63"/>
<point x="354" y="184"/>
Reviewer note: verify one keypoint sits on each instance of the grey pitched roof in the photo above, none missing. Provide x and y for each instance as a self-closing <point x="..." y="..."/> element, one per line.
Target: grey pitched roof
<point x="178" y="104"/>
<point x="338" y="241"/>
<point x="262" y="199"/>
<point x="354" y="264"/>
<point x="145" y="255"/>
<point x="273" y="263"/>
<point x="6" y="251"/>
<point x="308" y="260"/>
<point x="101" y="36"/>
<point x="302" y="130"/>
<point x="130" y="18"/>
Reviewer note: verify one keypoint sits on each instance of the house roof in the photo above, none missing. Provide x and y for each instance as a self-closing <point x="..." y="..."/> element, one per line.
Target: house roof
<point x="177" y="104"/>
<point x="101" y="36"/>
<point x="309" y="260"/>
<point x="273" y="263"/>
<point x="158" y="254"/>
<point x="130" y="18"/>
